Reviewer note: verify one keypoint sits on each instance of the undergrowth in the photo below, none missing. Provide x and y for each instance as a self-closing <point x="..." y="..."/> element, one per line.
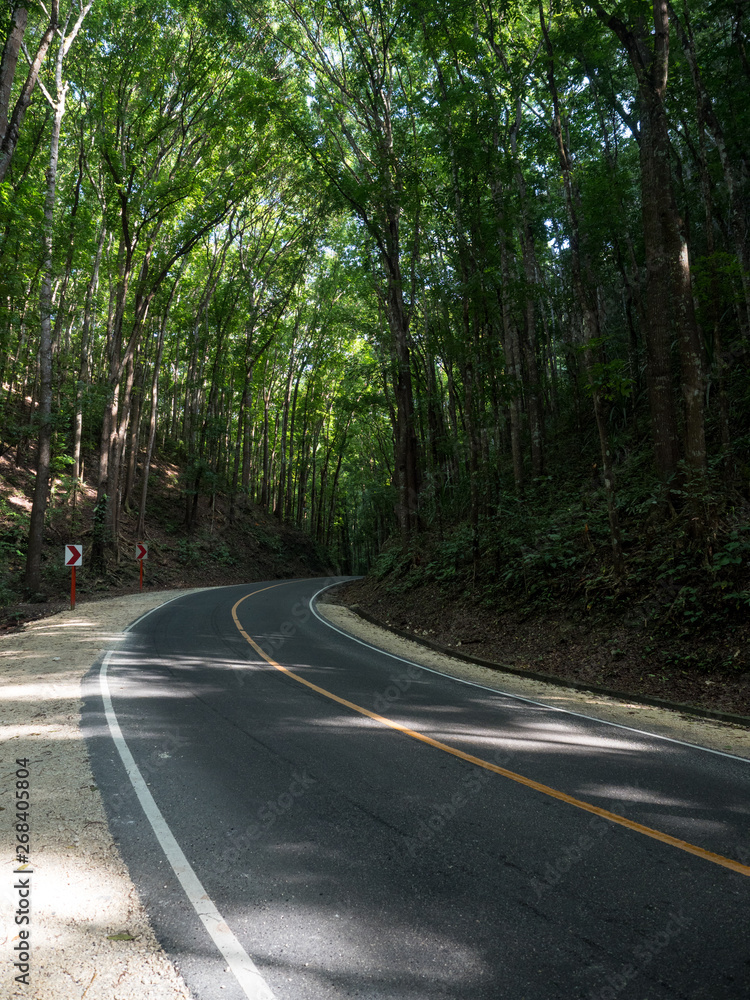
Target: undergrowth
<point x="686" y="554"/>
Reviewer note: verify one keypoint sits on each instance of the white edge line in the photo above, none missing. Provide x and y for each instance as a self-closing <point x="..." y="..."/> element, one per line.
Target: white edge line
<point x="185" y="593"/>
<point x="517" y="697"/>
<point x="242" y="966"/>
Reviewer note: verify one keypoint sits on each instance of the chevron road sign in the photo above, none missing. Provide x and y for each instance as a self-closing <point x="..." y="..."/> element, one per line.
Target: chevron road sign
<point x="141" y="553"/>
<point x="73" y="558"/>
<point x="73" y="555"/>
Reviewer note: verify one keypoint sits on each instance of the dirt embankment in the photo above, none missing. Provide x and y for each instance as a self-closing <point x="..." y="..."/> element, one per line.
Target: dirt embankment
<point x="717" y="735"/>
<point x="625" y="656"/>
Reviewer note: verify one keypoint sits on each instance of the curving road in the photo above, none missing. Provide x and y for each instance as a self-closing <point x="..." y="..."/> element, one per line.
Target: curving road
<point x="307" y="817"/>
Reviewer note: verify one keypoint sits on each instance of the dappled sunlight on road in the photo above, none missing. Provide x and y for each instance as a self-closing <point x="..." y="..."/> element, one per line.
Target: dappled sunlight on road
<point x="632" y="793"/>
<point x="504" y="739"/>
<point x="542" y="742"/>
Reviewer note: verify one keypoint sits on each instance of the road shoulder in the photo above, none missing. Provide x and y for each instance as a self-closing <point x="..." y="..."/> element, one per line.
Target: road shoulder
<point x="723" y="737"/>
<point x="89" y="935"/>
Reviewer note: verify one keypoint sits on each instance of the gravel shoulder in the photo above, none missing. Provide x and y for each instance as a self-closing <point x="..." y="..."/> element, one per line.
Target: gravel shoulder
<point x="89" y="934"/>
<point x="722" y="736"/>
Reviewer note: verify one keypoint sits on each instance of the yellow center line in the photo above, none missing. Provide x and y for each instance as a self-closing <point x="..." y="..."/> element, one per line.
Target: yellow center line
<point x="647" y="831"/>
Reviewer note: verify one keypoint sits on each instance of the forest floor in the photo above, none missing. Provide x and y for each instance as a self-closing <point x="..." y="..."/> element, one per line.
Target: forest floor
<point x="620" y="654"/>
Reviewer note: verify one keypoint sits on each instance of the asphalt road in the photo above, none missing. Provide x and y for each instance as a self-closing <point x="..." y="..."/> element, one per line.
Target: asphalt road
<point x="342" y="857"/>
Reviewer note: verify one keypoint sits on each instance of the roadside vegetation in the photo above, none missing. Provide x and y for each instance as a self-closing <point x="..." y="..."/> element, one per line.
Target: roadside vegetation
<point x="460" y="292"/>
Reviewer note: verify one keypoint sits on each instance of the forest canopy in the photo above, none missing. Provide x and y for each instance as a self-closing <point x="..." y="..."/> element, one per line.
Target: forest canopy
<point x="461" y="289"/>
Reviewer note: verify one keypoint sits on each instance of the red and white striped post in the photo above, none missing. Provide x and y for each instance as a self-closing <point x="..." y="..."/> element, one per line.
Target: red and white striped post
<point x="73" y="558"/>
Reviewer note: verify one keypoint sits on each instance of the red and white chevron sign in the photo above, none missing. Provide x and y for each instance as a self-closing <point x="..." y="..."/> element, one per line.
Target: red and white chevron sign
<point x="74" y="555"/>
<point x="141" y="551"/>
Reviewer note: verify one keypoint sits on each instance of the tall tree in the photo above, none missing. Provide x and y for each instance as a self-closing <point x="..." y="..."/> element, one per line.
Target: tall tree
<point x="669" y="289"/>
<point x="10" y="128"/>
<point x="41" y="488"/>
<point x="364" y="138"/>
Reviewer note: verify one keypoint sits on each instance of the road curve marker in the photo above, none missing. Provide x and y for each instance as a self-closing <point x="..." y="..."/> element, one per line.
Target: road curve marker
<point x="520" y="779"/>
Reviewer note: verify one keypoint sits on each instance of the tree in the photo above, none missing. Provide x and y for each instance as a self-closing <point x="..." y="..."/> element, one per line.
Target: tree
<point x="10" y="128"/>
<point x="39" y="507"/>
<point x="364" y="139"/>
<point x="669" y="289"/>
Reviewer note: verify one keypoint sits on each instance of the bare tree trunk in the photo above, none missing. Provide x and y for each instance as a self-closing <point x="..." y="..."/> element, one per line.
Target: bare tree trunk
<point x="281" y="486"/>
<point x="669" y="297"/>
<point x="288" y="513"/>
<point x="334" y="487"/>
<point x="247" y="432"/>
<point x="716" y="349"/>
<point x="33" y="574"/>
<point x="9" y="62"/>
<point x="264" y="488"/>
<point x="512" y="351"/>
<point x="468" y="370"/>
<point x="134" y="437"/>
<point x="528" y="341"/>
<point x="83" y="369"/>
<point x="407" y="454"/>
<point x="586" y="294"/>
<point x="236" y="458"/>
<point x="32" y="578"/>
<point x="302" y="462"/>
<point x="691" y="356"/>
<point x="151" y="429"/>
<point x="733" y="171"/>
<point x="118" y="295"/>
<point x="118" y="450"/>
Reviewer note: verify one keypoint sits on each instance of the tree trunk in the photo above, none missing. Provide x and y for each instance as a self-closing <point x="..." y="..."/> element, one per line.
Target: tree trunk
<point x="733" y="171"/>
<point x="134" y="437"/>
<point x="9" y="62"/>
<point x="281" y="486"/>
<point x="83" y="369"/>
<point x="13" y="127"/>
<point x="585" y="293"/>
<point x="406" y="450"/>
<point x="118" y="452"/>
<point x="288" y="513"/>
<point x="141" y="528"/>
<point x="668" y="293"/>
<point x="512" y="351"/>
<point x="528" y="342"/>
<point x="33" y="574"/>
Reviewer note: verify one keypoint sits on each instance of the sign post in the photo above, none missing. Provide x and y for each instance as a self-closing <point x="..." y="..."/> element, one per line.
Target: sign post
<point x="141" y="553"/>
<point x="73" y="558"/>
